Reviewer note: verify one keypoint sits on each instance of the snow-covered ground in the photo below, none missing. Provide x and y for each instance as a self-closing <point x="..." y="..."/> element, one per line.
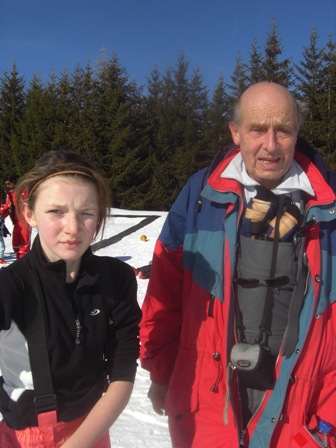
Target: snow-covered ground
<point x="138" y="426"/>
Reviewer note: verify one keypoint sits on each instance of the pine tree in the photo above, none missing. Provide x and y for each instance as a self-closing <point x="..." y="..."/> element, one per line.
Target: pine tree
<point x="239" y="79"/>
<point x="170" y="109"/>
<point x="309" y="83"/>
<point x="256" y="64"/>
<point x="274" y="69"/>
<point x="217" y="131"/>
<point x="34" y="125"/>
<point x="63" y="109"/>
<point x="83" y="134"/>
<point x="156" y="103"/>
<point x="189" y="156"/>
<point x="152" y="105"/>
<point x="117" y="124"/>
<point x="12" y="106"/>
<point x="179" y="116"/>
<point x="50" y="101"/>
<point x="328" y="104"/>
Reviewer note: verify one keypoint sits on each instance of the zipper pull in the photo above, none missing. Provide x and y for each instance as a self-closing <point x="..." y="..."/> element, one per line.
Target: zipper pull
<point x="78" y="330"/>
<point x="302" y="230"/>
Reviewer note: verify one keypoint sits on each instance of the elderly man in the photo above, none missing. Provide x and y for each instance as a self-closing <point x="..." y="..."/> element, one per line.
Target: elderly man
<point x="239" y="321"/>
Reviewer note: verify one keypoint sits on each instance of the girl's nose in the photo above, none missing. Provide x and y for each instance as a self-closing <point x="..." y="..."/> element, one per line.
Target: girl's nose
<point x="72" y="224"/>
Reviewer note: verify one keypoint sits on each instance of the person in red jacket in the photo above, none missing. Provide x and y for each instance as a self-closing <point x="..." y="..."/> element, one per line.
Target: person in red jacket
<point x="239" y="319"/>
<point x="21" y="230"/>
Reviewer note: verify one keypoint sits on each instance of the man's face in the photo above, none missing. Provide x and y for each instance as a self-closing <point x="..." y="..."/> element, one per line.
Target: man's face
<point x="266" y="132"/>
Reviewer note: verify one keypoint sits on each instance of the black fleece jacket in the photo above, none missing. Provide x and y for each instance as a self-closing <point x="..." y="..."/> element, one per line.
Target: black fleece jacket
<point x="106" y="348"/>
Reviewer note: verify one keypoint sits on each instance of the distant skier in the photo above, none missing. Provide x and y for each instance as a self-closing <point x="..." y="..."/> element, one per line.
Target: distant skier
<point x="21" y="230"/>
<point x="3" y="228"/>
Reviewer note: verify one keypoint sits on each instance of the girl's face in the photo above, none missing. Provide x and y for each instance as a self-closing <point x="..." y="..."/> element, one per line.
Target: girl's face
<point x="66" y="215"/>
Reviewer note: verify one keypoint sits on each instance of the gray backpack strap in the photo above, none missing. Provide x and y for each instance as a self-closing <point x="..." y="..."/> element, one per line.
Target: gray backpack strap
<point x="45" y="399"/>
<point x="265" y="325"/>
<point x="292" y="333"/>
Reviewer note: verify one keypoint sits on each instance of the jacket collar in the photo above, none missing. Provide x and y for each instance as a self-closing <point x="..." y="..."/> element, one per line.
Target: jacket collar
<point x="38" y="258"/>
<point x="323" y="192"/>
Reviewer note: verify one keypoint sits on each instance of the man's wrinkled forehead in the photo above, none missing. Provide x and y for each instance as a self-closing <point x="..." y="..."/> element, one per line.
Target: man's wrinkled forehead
<point x="266" y="103"/>
<point x="267" y="115"/>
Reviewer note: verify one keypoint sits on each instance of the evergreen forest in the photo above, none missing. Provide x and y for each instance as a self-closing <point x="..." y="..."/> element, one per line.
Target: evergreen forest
<point x="147" y="140"/>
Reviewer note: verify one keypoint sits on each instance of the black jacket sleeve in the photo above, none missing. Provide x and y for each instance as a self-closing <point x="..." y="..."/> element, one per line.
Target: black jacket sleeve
<point x="122" y="348"/>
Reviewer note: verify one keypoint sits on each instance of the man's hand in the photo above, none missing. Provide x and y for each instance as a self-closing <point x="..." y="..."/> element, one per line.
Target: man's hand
<point x="157" y="395"/>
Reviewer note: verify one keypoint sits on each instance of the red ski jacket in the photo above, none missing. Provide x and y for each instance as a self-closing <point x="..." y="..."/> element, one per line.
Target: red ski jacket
<point x="187" y="329"/>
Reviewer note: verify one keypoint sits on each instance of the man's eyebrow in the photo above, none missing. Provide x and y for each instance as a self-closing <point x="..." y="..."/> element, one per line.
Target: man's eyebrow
<point x="258" y="125"/>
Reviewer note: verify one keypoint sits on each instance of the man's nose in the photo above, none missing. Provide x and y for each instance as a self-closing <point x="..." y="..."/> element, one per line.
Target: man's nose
<point x="270" y="143"/>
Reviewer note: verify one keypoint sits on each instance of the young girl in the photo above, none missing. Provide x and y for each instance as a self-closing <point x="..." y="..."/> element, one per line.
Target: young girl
<point x="89" y="315"/>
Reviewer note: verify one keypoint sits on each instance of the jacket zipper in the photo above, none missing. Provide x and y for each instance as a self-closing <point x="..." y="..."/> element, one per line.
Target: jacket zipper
<point x="230" y="368"/>
<point x="75" y="316"/>
<point x="78" y="329"/>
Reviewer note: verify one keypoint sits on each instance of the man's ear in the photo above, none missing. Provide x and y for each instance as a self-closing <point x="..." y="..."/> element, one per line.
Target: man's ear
<point x="234" y="132"/>
<point x="28" y="215"/>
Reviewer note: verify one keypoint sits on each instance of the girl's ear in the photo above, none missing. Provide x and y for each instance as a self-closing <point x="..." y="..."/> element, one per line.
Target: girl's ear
<point x="29" y="215"/>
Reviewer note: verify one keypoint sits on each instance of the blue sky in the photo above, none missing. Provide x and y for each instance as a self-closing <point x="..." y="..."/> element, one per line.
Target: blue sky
<point x="42" y="36"/>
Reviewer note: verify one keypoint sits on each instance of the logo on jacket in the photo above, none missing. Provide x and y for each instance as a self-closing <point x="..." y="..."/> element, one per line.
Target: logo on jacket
<point x="94" y="312"/>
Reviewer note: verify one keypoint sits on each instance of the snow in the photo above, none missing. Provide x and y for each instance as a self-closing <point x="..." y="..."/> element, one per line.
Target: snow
<point x="138" y="426"/>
